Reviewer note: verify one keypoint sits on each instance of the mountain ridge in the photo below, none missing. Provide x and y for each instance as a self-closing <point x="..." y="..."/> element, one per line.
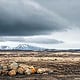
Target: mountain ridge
<point x="21" y="47"/>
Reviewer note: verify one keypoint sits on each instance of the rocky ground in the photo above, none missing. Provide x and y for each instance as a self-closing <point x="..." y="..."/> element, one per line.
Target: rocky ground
<point x="62" y="65"/>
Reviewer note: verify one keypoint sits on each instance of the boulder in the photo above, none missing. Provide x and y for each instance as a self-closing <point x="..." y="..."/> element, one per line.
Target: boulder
<point x="42" y="70"/>
<point x="4" y="72"/>
<point x="13" y="65"/>
<point x="3" y="69"/>
<point x="12" y="73"/>
<point x="33" y="70"/>
<point x="4" y="66"/>
<point x="20" y="70"/>
<point x="24" y="66"/>
<point x="27" y="71"/>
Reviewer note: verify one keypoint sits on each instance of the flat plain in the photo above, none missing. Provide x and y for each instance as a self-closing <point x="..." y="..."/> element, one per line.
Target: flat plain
<point x="65" y="65"/>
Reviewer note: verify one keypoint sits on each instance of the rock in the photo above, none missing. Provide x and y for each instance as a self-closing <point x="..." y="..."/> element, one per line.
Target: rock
<point x="4" y="66"/>
<point x="33" y="70"/>
<point x="45" y="73"/>
<point x="42" y="70"/>
<point x="24" y="66"/>
<point x="4" y="72"/>
<point x="13" y="65"/>
<point x="20" y="70"/>
<point x="27" y="71"/>
<point x="50" y="72"/>
<point x="12" y="73"/>
<point x="3" y="69"/>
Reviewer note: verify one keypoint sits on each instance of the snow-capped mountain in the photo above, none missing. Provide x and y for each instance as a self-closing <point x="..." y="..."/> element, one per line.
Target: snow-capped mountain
<point x="28" y="47"/>
<point x="21" y="47"/>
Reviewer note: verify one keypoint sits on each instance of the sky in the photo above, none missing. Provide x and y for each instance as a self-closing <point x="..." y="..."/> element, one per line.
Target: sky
<point x="51" y="24"/>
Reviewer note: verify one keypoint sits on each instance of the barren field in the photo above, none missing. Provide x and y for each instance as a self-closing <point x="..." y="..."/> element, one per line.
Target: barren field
<point x="65" y="65"/>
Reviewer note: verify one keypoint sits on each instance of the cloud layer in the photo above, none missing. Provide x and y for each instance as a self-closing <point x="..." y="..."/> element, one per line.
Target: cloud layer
<point x="37" y="40"/>
<point x="52" y="21"/>
<point x="27" y="17"/>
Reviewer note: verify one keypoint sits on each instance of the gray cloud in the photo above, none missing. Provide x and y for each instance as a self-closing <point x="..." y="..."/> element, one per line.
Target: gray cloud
<point x="69" y="9"/>
<point x="27" y="17"/>
<point x="9" y="38"/>
<point x="45" y="41"/>
<point x="37" y="40"/>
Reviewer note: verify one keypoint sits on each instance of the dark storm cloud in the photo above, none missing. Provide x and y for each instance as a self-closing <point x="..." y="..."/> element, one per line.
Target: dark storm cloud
<point x="27" y="17"/>
<point x="38" y="40"/>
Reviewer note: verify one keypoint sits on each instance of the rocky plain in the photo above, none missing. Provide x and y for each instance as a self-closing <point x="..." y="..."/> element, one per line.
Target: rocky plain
<point x="43" y="65"/>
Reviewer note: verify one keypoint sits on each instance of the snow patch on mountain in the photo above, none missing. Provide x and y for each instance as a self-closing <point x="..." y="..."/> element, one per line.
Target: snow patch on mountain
<point x="21" y="47"/>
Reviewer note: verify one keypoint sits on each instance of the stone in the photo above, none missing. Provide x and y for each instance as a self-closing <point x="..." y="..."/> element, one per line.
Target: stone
<point x="13" y="65"/>
<point x="27" y="71"/>
<point x="4" y="72"/>
<point x="45" y="73"/>
<point x="42" y="70"/>
<point x="4" y="66"/>
<point x="3" y="69"/>
<point x="50" y="71"/>
<point x="24" y="66"/>
<point x="12" y="73"/>
<point x="33" y="70"/>
<point x="20" y="70"/>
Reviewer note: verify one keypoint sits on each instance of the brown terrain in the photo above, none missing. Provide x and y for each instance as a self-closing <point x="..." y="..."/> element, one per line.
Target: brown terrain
<point x="64" y="65"/>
